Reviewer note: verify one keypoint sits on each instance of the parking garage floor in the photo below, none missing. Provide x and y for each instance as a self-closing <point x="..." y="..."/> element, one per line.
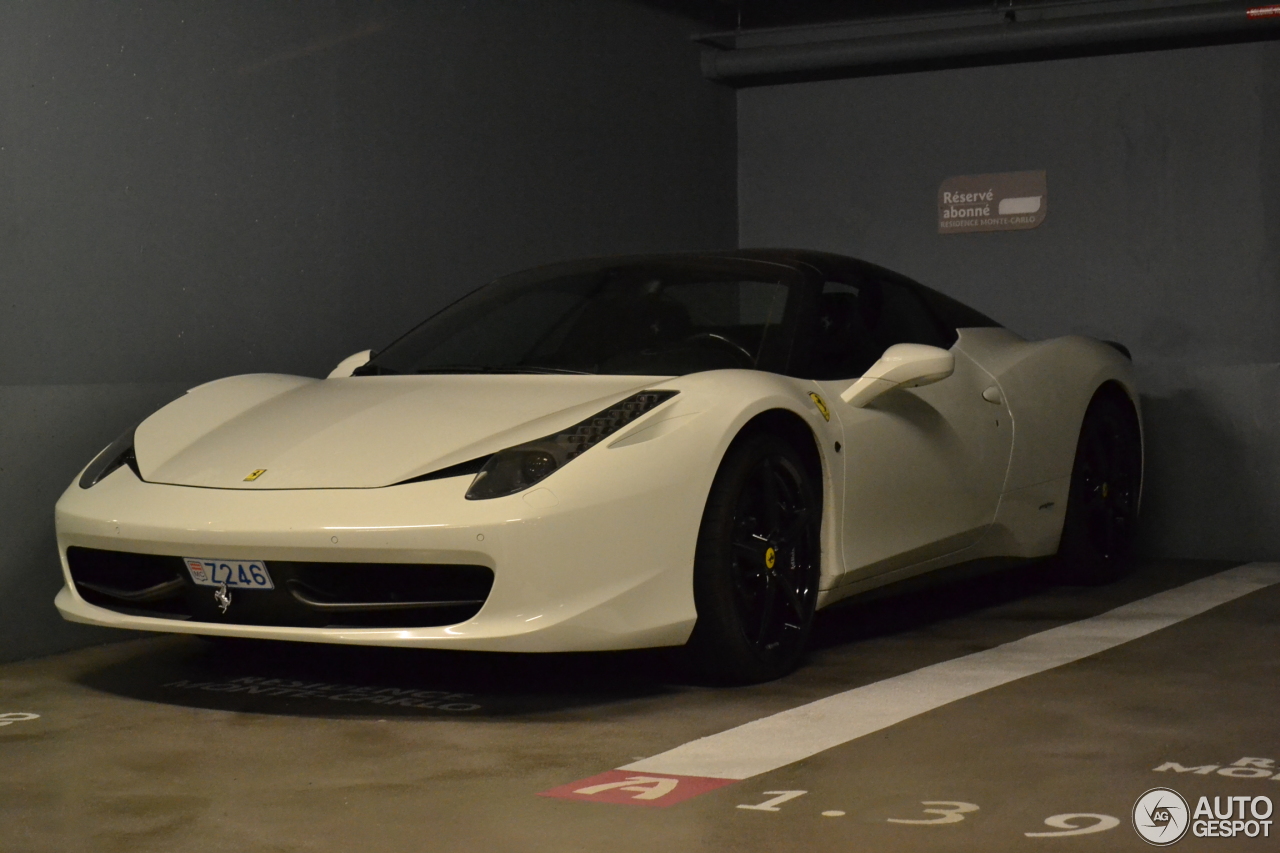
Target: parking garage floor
<point x="173" y="744"/>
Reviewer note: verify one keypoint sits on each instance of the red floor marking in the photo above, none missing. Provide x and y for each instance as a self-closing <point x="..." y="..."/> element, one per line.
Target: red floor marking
<point x="637" y="789"/>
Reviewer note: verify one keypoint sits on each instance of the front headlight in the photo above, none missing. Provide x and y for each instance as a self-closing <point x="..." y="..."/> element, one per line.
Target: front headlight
<point x="118" y="452"/>
<point x="517" y="468"/>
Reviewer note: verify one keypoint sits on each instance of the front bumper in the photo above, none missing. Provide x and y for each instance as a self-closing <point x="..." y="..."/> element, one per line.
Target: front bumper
<point x="589" y="562"/>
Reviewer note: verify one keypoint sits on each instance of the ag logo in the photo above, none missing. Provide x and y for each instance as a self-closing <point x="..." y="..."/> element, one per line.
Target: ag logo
<point x="1160" y="816"/>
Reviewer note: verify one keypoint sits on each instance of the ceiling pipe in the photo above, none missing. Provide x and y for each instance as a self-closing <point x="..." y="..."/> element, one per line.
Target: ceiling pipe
<point x="747" y="66"/>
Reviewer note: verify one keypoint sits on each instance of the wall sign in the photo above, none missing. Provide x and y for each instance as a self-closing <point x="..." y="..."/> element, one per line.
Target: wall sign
<point x="1005" y="201"/>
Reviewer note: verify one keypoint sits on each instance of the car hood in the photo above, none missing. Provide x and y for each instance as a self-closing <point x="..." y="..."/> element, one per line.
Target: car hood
<point x="358" y="432"/>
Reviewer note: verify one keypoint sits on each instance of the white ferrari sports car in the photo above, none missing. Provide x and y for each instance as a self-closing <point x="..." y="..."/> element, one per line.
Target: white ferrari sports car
<point x="617" y="453"/>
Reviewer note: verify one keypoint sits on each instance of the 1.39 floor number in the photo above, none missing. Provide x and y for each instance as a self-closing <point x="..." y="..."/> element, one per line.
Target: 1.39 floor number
<point x="954" y="811"/>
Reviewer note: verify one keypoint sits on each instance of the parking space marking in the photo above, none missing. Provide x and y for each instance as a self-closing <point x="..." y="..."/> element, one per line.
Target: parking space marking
<point x="771" y="742"/>
<point x="633" y="789"/>
<point x="1242" y="768"/>
<point x="1063" y="822"/>
<point x="774" y="803"/>
<point x="952" y="812"/>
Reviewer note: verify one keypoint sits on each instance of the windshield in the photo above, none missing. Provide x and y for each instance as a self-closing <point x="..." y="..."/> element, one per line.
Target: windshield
<point x="642" y="319"/>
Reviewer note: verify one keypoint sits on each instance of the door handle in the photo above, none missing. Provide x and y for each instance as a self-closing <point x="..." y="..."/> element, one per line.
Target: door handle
<point x="993" y="395"/>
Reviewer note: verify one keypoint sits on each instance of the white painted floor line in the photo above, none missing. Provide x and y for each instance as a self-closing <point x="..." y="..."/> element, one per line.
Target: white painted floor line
<point x="784" y="738"/>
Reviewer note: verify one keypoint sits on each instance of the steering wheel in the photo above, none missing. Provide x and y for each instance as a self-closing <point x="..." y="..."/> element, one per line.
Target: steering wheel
<point x="713" y="337"/>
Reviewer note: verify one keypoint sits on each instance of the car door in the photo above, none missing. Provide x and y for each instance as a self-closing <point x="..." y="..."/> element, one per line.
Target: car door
<point x="923" y="467"/>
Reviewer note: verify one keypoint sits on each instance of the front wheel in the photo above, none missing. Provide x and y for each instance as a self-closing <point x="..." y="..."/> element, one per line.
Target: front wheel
<point x="1106" y="479"/>
<point x="756" y="570"/>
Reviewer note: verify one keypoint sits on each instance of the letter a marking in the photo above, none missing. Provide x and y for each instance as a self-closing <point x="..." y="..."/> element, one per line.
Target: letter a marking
<point x="647" y="787"/>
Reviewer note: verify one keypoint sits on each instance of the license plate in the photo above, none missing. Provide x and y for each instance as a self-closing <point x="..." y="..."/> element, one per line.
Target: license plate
<point x="236" y="574"/>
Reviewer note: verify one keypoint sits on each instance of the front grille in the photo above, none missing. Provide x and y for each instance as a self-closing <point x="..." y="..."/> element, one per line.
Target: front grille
<point x="307" y="594"/>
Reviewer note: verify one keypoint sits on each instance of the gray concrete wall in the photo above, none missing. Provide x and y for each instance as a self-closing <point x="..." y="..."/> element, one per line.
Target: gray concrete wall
<point x="190" y="190"/>
<point x="1163" y="231"/>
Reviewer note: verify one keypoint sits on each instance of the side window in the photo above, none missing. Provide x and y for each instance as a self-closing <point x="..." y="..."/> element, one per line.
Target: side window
<point x="860" y="317"/>
<point x="845" y="341"/>
<point x="904" y="319"/>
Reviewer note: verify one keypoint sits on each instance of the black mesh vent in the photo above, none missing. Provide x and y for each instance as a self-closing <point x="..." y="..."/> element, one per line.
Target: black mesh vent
<point x="307" y="594"/>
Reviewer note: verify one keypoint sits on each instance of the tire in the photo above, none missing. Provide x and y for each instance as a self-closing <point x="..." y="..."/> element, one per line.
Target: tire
<point x="756" y="569"/>
<point x="1106" y="481"/>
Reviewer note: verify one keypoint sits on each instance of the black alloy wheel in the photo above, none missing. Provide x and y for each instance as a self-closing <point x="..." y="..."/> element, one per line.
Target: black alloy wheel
<point x="757" y="564"/>
<point x="1106" y="482"/>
